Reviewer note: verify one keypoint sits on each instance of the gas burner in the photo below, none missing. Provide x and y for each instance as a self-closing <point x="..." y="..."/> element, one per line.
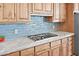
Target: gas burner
<point x="41" y="36"/>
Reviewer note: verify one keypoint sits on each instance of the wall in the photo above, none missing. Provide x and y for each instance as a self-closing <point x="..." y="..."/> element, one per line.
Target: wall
<point x="37" y="25"/>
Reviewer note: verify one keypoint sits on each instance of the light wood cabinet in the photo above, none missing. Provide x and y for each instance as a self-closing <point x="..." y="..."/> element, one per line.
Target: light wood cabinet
<point x="62" y="47"/>
<point x="13" y="54"/>
<point x="70" y="46"/>
<point x="9" y="11"/>
<point x="62" y="12"/>
<point x="56" y="12"/>
<point x="28" y="52"/>
<point x="55" y="51"/>
<point x="59" y="12"/>
<point x="42" y="50"/>
<point x="43" y="53"/>
<point x="47" y="7"/>
<point x="22" y="12"/>
<point x="1" y="12"/>
<point x="55" y="48"/>
<point x="37" y="7"/>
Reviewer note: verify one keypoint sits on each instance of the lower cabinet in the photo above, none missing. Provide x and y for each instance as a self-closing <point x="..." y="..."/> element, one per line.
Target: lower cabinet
<point x="13" y="54"/>
<point x="43" y="53"/>
<point x="55" y="51"/>
<point x="56" y="48"/>
<point x="70" y="46"/>
<point x="42" y="50"/>
<point x="27" y="52"/>
<point x="64" y="47"/>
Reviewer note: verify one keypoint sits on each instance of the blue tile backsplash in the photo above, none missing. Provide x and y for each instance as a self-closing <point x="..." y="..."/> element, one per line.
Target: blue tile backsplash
<point x="38" y="25"/>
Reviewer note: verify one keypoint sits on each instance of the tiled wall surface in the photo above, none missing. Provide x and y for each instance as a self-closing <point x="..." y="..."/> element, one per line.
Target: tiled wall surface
<point x="38" y="25"/>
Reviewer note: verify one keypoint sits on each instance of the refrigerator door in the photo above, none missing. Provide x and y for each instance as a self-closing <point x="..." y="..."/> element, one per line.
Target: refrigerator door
<point x="76" y="30"/>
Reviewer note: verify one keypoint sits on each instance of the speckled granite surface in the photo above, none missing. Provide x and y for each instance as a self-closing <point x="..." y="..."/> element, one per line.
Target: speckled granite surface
<point x="24" y="42"/>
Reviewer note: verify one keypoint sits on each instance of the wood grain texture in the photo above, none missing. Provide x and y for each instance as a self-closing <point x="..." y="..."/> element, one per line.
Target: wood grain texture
<point x="28" y="52"/>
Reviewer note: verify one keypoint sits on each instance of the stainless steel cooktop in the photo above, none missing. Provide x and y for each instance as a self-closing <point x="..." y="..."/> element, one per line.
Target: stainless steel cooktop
<point x="41" y="36"/>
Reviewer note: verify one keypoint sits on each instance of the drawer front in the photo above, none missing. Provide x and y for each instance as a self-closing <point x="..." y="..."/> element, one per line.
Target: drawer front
<point x="13" y="54"/>
<point x="55" y="43"/>
<point x="27" y="52"/>
<point x="42" y="47"/>
<point x="43" y="53"/>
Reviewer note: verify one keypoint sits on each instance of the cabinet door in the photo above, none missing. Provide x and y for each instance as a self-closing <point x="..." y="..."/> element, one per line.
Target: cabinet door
<point x="1" y="12"/>
<point x="37" y="7"/>
<point x="64" y="47"/>
<point x="8" y="11"/>
<point x="70" y="46"/>
<point x="23" y="12"/>
<point x="28" y="52"/>
<point x="42" y="50"/>
<point x="56" y="12"/>
<point x="62" y="12"/>
<point x="43" y="53"/>
<point x="55" y="51"/>
<point x="55" y="48"/>
<point x="47" y="7"/>
<point x="13" y="54"/>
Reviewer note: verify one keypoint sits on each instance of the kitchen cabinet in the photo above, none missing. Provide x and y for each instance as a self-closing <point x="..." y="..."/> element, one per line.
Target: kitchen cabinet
<point x="42" y="50"/>
<point x="56" y="12"/>
<point x="37" y="7"/>
<point x="27" y="52"/>
<point x="67" y="47"/>
<point x="62" y="10"/>
<point x="70" y="46"/>
<point x="64" y="47"/>
<point x="9" y="12"/>
<point x="43" y="8"/>
<point x="47" y="7"/>
<point x="1" y="12"/>
<point x="55" y="51"/>
<point x="13" y="54"/>
<point x="55" y="48"/>
<point x="22" y="12"/>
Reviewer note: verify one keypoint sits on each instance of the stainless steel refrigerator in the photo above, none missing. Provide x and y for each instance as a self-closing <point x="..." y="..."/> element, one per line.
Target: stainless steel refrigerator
<point x="76" y="30"/>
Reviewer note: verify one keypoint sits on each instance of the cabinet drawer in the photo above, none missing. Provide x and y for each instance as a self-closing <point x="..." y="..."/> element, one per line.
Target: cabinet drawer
<point x="55" y="43"/>
<point x="27" y="52"/>
<point x="42" y="47"/>
<point x="13" y="54"/>
<point x="43" y="53"/>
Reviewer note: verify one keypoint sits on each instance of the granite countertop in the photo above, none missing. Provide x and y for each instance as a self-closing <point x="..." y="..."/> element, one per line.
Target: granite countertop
<point x="24" y="42"/>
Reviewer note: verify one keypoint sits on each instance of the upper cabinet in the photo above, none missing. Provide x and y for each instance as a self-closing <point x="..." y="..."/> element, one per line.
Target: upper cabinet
<point x="22" y="12"/>
<point x="56" y="12"/>
<point x="9" y="11"/>
<point x="1" y="12"/>
<point x="47" y="7"/>
<point x="59" y="13"/>
<point x="42" y="8"/>
<point x="62" y="12"/>
<point x="37" y="7"/>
